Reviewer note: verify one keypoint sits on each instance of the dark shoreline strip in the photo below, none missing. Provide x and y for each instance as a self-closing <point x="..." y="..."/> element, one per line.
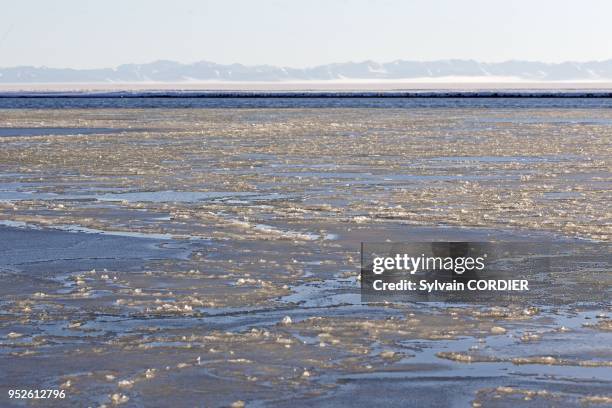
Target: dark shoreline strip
<point x="309" y="95"/>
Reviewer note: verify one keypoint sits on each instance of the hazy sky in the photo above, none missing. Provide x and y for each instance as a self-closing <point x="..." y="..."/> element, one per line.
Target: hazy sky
<point x="299" y="33"/>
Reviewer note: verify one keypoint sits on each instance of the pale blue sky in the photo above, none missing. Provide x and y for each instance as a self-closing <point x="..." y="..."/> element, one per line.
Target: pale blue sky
<point x="299" y="33"/>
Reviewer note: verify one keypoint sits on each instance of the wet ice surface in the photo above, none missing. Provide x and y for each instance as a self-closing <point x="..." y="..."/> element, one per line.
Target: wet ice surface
<point x="50" y="131"/>
<point x="214" y="259"/>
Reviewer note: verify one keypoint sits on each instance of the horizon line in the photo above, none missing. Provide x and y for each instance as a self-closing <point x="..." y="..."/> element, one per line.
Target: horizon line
<point x="609" y="59"/>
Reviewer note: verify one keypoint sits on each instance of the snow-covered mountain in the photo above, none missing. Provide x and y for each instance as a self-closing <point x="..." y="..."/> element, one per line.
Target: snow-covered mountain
<point x="169" y="71"/>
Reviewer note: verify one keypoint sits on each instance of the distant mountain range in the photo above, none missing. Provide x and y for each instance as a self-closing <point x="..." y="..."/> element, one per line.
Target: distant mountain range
<point x="175" y="72"/>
